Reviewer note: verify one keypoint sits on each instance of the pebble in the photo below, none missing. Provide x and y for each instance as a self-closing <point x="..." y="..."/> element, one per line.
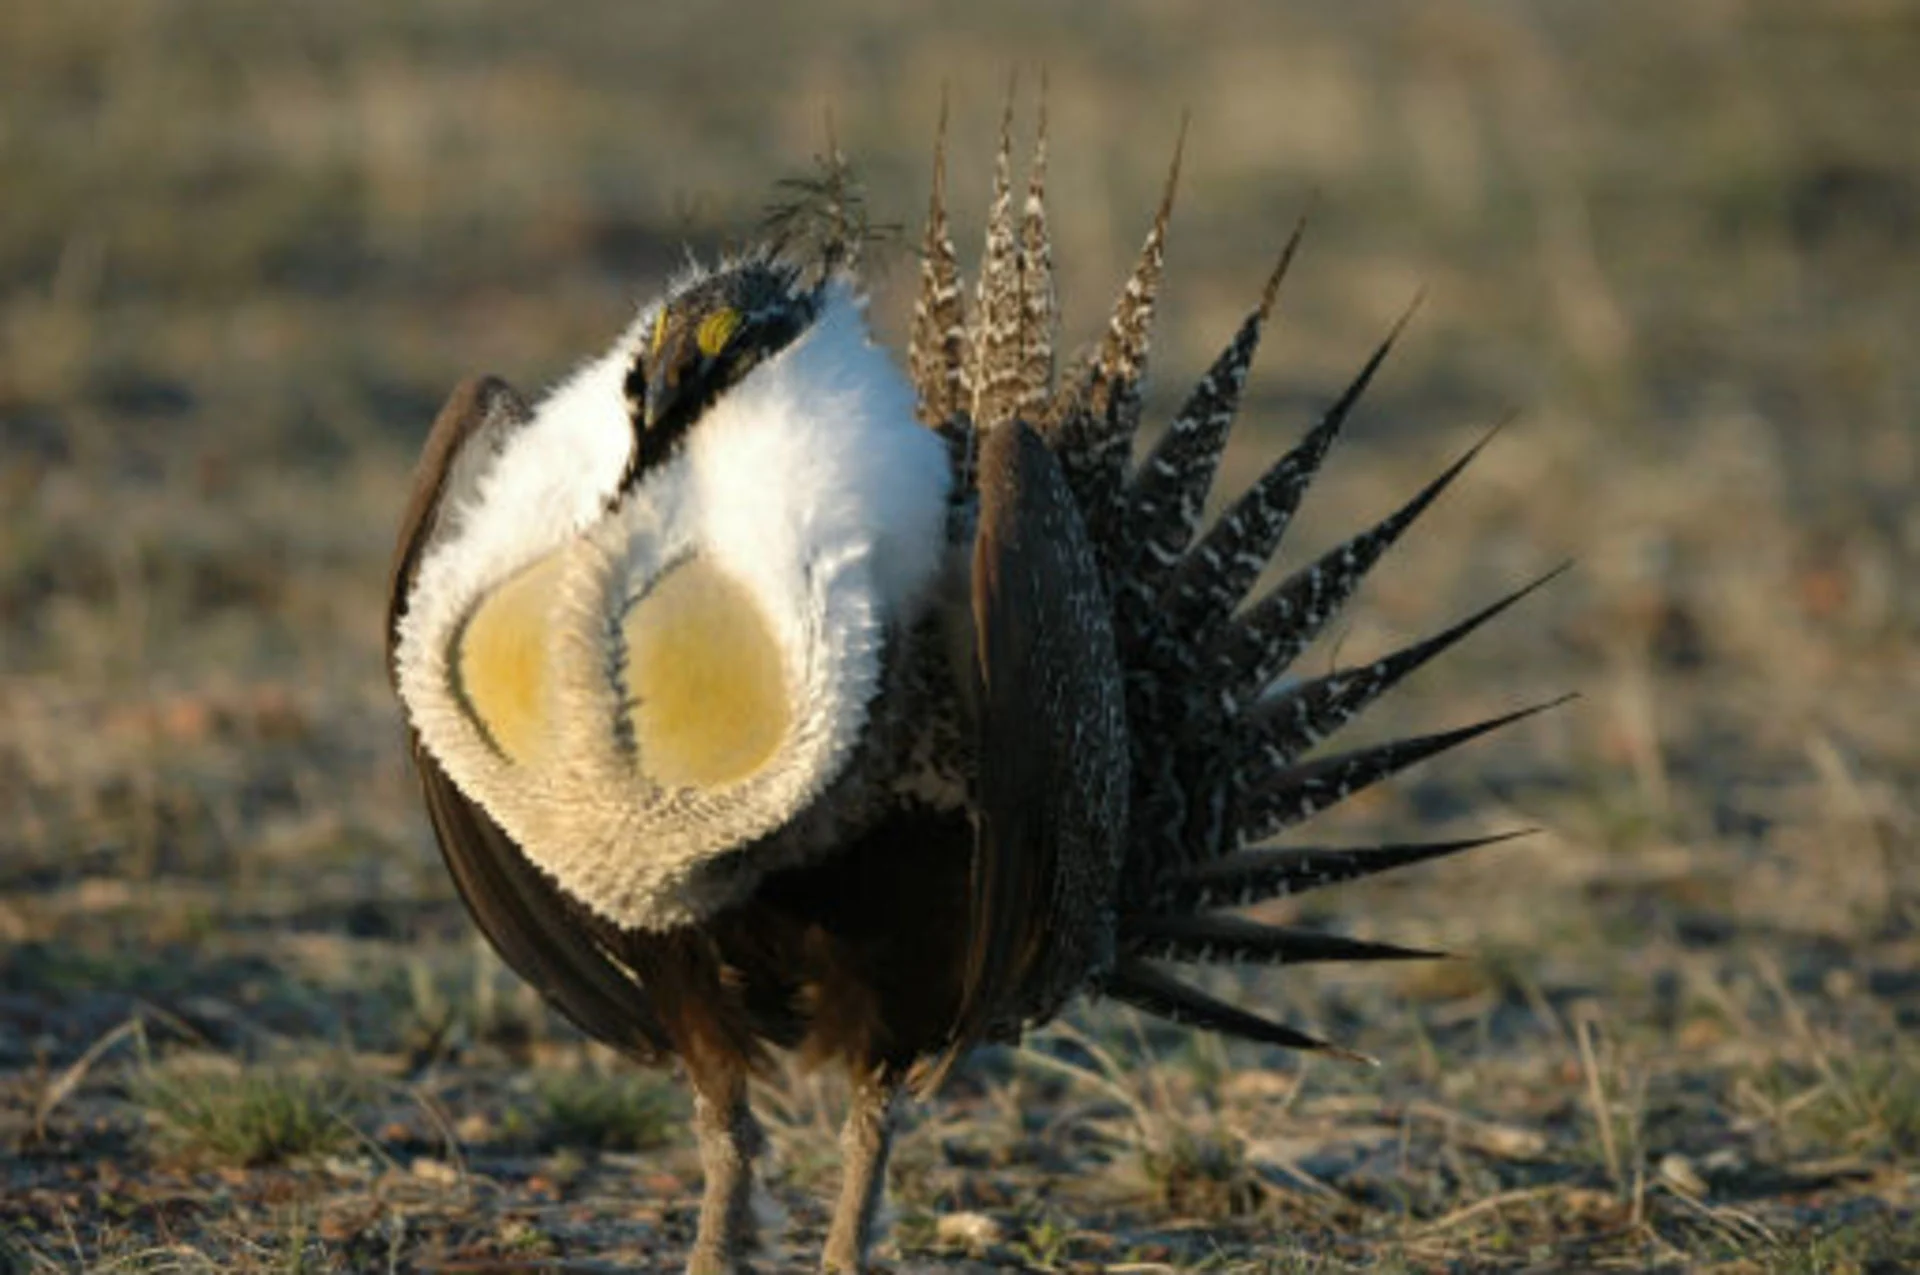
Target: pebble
<point x="1678" y="1172"/>
<point x="975" y="1232"/>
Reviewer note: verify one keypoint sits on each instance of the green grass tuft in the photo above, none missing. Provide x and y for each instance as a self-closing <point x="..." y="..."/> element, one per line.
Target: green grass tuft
<point x="608" y="1113"/>
<point x="245" y="1118"/>
<point x="1201" y="1172"/>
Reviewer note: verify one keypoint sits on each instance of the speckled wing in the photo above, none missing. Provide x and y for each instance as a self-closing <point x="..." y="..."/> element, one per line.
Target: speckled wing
<point x="1052" y="789"/>
<point x="536" y="930"/>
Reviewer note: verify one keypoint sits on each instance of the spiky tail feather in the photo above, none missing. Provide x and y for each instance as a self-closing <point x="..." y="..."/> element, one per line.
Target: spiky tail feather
<point x="1217" y="752"/>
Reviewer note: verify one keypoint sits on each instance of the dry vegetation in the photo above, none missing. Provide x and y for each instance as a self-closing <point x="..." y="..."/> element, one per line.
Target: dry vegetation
<point x="243" y="251"/>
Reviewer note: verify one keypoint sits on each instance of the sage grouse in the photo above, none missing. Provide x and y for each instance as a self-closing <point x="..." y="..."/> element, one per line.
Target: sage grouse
<point x="765" y="698"/>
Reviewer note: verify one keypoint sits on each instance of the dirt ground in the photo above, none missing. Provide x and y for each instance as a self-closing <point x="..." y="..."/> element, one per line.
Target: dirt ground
<point x="244" y="252"/>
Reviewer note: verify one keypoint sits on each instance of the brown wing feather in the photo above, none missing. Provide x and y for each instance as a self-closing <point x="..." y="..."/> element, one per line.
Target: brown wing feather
<point x="532" y="925"/>
<point x="480" y="411"/>
<point x="523" y="914"/>
<point x="1053" y="754"/>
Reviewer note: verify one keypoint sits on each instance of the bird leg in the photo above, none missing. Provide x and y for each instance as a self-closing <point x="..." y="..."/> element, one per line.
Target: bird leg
<point x="730" y="1139"/>
<point x="864" y="1142"/>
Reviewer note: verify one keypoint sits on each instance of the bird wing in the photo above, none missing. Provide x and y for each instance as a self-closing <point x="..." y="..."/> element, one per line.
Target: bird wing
<point x="533" y="926"/>
<point x="1051" y="797"/>
<point x="477" y="416"/>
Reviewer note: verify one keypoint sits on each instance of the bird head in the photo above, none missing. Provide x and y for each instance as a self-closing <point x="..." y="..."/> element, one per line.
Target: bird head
<point x="705" y="337"/>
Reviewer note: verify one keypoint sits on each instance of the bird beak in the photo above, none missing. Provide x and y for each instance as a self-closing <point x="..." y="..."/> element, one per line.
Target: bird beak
<point x="662" y="393"/>
<point x="681" y="372"/>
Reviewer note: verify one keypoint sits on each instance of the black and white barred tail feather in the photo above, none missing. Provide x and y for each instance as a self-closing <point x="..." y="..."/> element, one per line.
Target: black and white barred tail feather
<point x="1261" y="643"/>
<point x="1235" y="940"/>
<point x="1276" y="732"/>
<point x="1216" y="576"/>
<point x="1169" y="489"/>
<point x="1093" y="419"/>
<point x="1259" y="876"/>
<point x="1149" y="988"/>
<point x="1299" y="792"/>
<point x="1218" y="752"/>
<point x="999" y="303"/>
<point x="1034" y="386"/>
<point x="937" y="349"/>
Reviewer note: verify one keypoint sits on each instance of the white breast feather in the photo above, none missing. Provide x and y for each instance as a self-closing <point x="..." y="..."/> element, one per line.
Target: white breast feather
<point x="809" y="481"/>
<point x="817" y="451"/>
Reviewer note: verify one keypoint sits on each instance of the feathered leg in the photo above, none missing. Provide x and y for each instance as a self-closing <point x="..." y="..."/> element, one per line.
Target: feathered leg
<point x="864" y="1142"/>
<point x="730" y="1139"/>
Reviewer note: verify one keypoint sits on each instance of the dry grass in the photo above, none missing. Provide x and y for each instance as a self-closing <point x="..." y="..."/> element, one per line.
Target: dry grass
<point x="241" y="261"/>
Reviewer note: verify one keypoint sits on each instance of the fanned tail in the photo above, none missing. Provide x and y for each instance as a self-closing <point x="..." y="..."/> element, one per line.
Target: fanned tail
<point x="1221" y="750"/>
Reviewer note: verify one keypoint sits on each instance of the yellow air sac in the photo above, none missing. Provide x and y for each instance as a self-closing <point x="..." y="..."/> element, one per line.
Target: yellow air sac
<point x="704" y="671"/>
<point x="502" y="660"/>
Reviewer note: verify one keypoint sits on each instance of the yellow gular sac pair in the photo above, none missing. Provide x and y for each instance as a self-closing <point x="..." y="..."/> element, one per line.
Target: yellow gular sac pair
<point x="705" y="687"/>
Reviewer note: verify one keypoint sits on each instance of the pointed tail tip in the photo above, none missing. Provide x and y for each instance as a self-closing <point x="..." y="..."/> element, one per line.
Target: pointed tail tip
<point x="1037" y="167"/>
<point x="1406" y="316"/>
<point x="1447" y="637"/>
<point x="1346" y="1055"/>
<point x="1548" y="576"/>
<point x="1517" y="715"/>
<point x="1466" y="458"/>
<point x="1549" y="705"/>
<point x="1271" y="291"/>
<point x="1492" y="432"/>
<point x="938" y="196"/>
<point x="1164" y="213"/>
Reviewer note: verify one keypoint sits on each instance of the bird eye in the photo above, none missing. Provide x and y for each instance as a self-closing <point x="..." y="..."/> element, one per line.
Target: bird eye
<point x="716" y="330"/>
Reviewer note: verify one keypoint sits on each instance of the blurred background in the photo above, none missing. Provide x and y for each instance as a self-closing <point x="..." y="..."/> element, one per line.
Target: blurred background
<point x="245" y="250"/>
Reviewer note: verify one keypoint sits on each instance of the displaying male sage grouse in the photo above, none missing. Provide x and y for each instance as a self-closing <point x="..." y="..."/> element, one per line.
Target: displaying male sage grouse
<point x="767" y="698"/>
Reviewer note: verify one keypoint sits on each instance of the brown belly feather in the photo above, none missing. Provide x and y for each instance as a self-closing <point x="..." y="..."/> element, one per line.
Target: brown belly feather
<point x="856" y="958"/>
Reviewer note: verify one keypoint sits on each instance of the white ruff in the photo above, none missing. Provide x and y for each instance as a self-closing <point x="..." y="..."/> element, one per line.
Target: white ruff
<point x="809" y="482"/>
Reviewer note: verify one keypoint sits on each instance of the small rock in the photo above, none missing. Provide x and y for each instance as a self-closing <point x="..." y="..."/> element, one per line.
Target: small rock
<point x="1678" y="1172"/>
<point x="348" y="1167"/>
<point x="1256" y="1084"/>
<point x="975" y="1232"/>
<point x="1698" y="1034"/>
<point x="1505" y="1142"/>
<point x="1724" y="1160"/>
<point x="439" y="1172"/>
